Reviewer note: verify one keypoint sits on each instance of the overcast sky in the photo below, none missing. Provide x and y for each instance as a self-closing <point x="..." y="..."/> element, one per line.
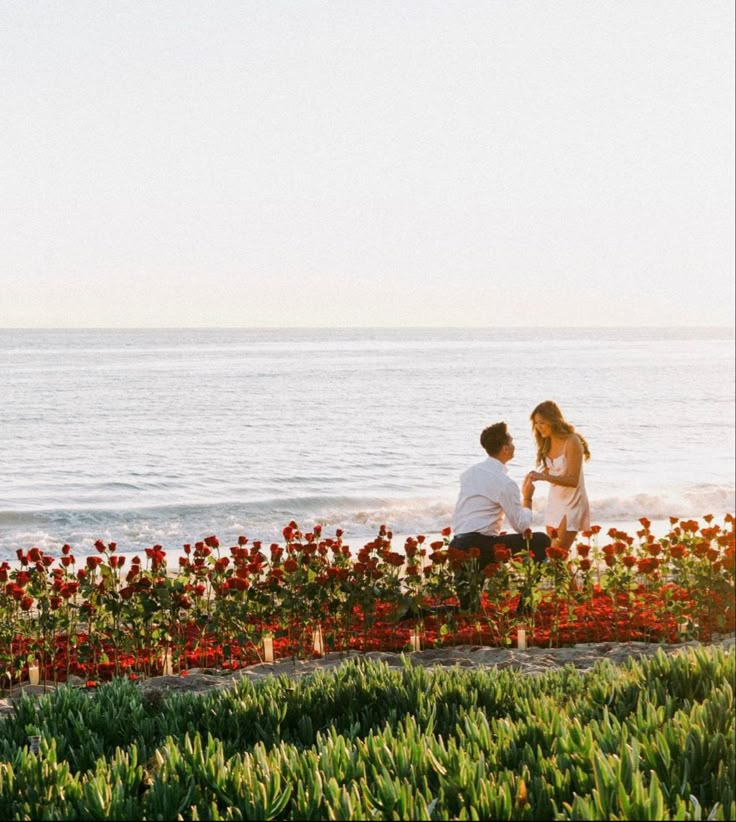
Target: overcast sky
<point x="364" y="163"/>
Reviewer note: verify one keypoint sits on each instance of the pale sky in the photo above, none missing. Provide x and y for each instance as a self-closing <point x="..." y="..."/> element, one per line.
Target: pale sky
<point x="365" y="163"/>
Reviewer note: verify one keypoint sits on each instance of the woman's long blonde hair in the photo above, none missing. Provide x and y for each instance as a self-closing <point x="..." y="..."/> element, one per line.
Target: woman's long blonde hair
<point x="551" y="413"/>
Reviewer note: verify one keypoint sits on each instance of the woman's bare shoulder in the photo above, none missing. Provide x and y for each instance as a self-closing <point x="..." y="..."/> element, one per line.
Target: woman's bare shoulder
<point x="573" y="441"/>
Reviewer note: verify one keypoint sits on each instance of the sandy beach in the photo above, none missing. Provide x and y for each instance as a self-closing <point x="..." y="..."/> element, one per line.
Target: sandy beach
<point x="532" y="661"/>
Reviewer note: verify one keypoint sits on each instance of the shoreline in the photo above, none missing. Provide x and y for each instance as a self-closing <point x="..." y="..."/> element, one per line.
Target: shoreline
<point x="658" y="527"/>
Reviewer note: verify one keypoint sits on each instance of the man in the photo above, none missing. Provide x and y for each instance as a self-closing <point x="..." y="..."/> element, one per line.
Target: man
<point x="487" y="493"/>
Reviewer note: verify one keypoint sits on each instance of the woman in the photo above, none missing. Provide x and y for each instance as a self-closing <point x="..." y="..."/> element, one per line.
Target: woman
<point x="560" y="454"/>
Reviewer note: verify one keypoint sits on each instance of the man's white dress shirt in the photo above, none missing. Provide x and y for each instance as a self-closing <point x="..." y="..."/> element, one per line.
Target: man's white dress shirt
<point x="486" y="494"/>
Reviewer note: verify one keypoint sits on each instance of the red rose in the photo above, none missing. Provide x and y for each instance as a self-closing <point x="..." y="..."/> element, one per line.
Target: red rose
<point x="501" y="553"/>
<point x="556" y="552"/>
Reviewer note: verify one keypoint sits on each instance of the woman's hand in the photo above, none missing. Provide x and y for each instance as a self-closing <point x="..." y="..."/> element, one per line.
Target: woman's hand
<point x="535" y="476"/>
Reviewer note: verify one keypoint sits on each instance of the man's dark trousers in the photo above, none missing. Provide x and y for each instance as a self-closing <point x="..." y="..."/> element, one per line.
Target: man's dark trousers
<point x="516" y="543"/>
<point x="537" y="544"/>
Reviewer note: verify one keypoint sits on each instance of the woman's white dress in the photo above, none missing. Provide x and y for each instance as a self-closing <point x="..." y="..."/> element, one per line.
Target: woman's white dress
<point x="562" y="501"/>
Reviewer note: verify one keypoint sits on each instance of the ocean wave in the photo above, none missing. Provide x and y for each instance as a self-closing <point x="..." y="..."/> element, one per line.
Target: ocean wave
<point x="692" y="502"/>
<point x="359" y="518"/>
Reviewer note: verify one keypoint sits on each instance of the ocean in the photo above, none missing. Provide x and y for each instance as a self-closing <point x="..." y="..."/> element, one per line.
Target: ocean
<point x="164" y="437"/>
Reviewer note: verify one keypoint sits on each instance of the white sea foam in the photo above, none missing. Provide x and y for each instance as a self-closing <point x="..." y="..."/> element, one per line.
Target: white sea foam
<point x="360" y="519"/>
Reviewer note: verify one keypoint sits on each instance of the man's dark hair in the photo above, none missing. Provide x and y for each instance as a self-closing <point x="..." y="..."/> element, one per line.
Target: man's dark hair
<point x="494" y="438"/>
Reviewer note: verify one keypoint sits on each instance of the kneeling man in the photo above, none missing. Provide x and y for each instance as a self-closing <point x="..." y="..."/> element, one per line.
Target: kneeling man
<point x="486" y="494"/>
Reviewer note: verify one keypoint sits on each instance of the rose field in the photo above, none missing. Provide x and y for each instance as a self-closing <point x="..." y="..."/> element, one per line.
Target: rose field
<point x="107" y="614"/>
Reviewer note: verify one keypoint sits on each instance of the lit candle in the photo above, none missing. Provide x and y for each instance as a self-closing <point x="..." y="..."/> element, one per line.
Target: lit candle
<point x="34" y="674"/>
<point x="521" y="639"/>
<point x="268" y="648"/>
<point x="168" y="666"/>
<point x="318" y="641"/>
<point x="415" y="640"/>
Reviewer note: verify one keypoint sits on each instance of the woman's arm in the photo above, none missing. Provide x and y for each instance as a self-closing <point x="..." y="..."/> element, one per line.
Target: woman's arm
<point x="571" y="478"/>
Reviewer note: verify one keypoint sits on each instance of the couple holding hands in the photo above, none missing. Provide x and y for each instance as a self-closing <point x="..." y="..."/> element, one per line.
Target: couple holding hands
<point x="487" y="493"/>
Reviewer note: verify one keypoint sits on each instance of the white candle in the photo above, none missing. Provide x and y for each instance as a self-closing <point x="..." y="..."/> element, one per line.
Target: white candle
<point x="416" y="640"/>
<point x="268" y="649"/>
<point x="168" y="666"/>
<point x="318" y="641"/>
<point x="521" y="639"/>
<point x="33" y="674"/>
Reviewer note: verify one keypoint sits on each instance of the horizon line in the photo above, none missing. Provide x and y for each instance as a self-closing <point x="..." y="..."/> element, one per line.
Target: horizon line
<point x="677" y="327"/>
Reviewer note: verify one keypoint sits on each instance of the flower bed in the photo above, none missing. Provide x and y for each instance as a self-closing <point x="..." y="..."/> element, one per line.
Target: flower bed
<point x="101" y="615"/>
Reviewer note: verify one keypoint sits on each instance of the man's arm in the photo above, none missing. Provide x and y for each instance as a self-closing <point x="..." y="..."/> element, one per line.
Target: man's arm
<point x="527" y="491"/>
<point x="519" y="515"/>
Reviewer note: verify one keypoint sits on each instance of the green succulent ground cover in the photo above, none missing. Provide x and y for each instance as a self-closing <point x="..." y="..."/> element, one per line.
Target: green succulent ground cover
<point x="652" y="739"/>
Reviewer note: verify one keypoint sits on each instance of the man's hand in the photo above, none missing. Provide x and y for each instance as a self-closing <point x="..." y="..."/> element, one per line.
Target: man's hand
<point x="527" y="490"/>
